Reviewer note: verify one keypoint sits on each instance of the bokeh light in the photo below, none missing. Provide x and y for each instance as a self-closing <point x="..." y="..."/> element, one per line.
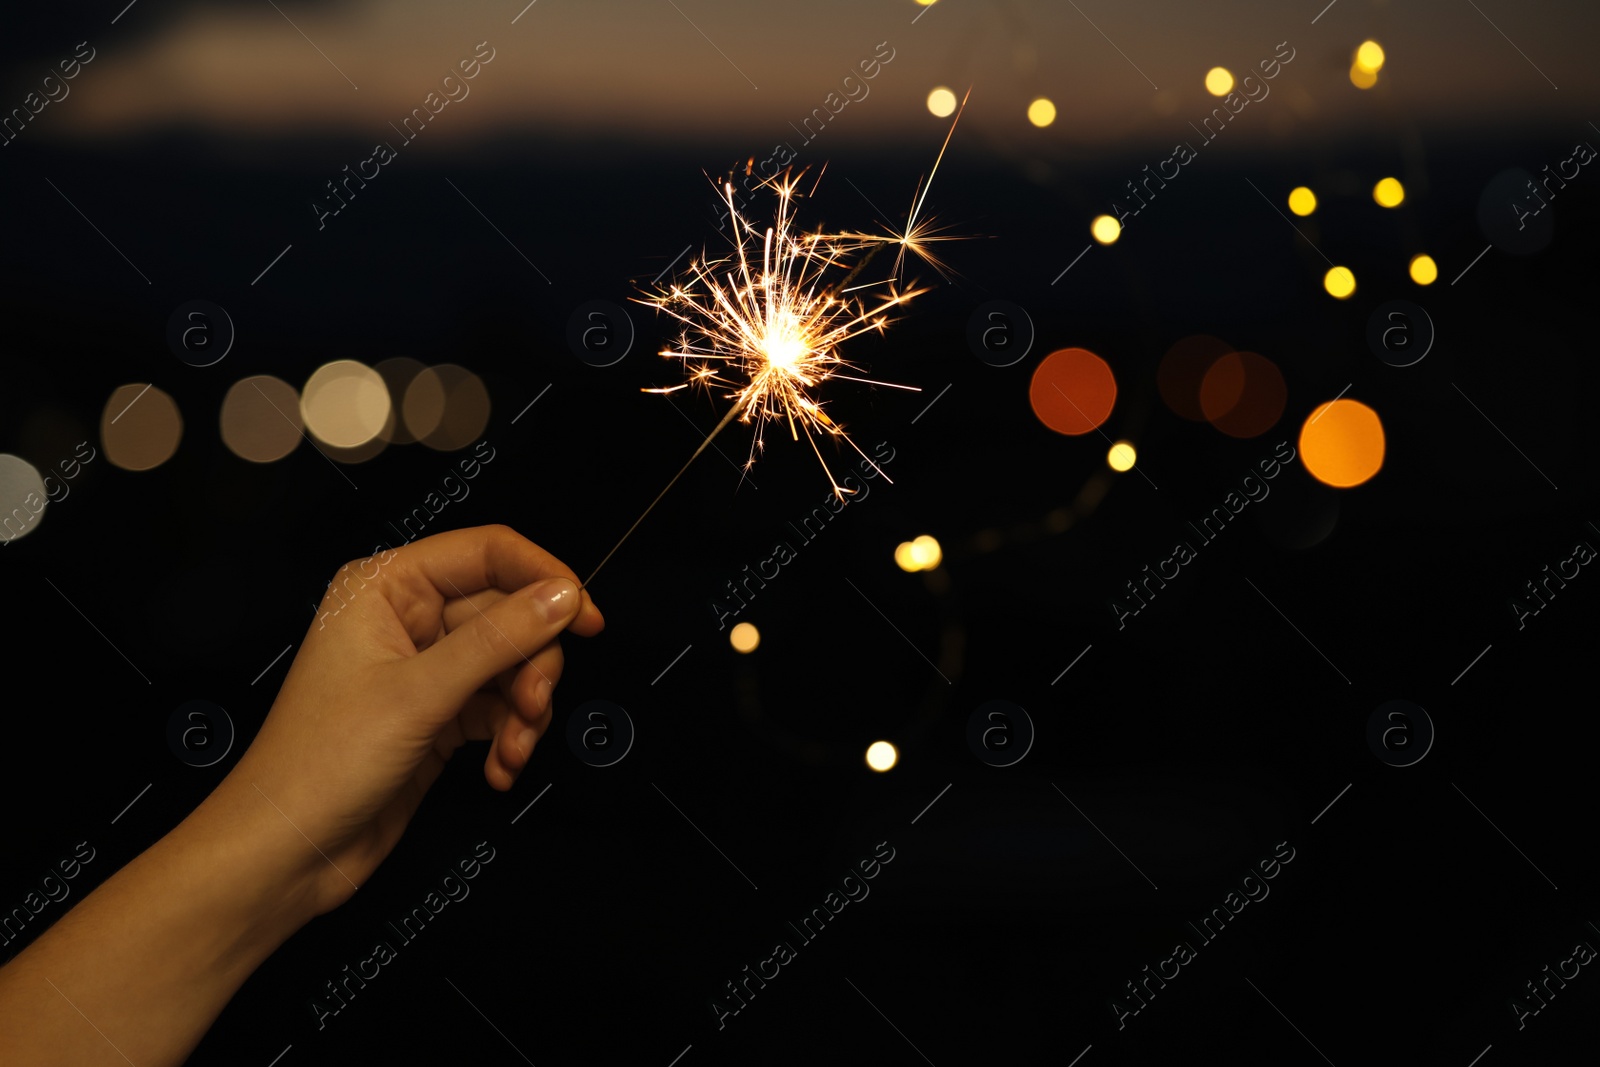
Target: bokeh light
<point x="1302" y="201"/>
<point x="1072" y="391"/>
<point x="345" y="404"/>
<point x="1362" y="79"/>
<point x="1424" y="271"/>
<point x="140" y="427"/>
<point x="881" y="756"/>
<point x="1369" y="57"/>
<point x="1342" y="443"/>
<point x="1041" y="112"/>
<point x="1389" y="192"/>
<point x="398" y="373"/>
<point x="942" y="102"/>
<point x="260" y="419"/>
<point x="1122" y="456"/>
<point x="23" y="498"/>
<point x="446" y="407"/>
<point x="920" y="554"/>
<point x="1182" y="370"/>
<point x="744" y="637"/>
<point x="1219" y="81"/>
<point x="1243" y="394"/>
<point x="1105" y="229"/>
<point x="1340" y="282"/>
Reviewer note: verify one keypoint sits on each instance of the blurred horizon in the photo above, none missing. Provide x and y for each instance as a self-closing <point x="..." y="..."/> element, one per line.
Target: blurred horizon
<point x="252" y="71"/>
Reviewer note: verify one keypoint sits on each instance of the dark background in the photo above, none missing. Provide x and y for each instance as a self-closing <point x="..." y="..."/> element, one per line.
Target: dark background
<point x="1196" y="739"/>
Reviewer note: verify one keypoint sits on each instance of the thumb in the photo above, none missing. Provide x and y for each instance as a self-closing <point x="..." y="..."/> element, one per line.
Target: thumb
<point x="495" y="639"/>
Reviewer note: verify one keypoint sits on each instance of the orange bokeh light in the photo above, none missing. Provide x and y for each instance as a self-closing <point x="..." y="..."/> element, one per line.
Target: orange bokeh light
<point x="1243" y="394"/>
<point x="1072" y="391"/>
<point x="1342" y="443"/>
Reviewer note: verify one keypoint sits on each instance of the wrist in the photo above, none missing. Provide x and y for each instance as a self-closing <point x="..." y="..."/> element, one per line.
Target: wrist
<point x="264" y="881"/>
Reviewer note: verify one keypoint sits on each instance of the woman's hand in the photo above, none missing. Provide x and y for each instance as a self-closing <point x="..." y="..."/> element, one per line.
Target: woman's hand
<point x="452" y="638"/>
<point x="447" y="640"/>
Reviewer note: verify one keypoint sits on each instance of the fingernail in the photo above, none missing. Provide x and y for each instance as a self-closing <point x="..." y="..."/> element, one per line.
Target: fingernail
<point x="556" y="598"/>
<point x="544" y="696"/>
<point x="525" y="742"/>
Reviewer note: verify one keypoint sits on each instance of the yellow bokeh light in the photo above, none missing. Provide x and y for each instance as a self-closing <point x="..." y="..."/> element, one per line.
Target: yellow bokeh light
<point x="744" y="637"/>
<point x="881" y="756"/>
<point x="1362" y="79"/>
<point x="1219" y="81"/>
<point x="942" y="102"/>
<point x="920" y="554"/>
<point x="1340" y="282"/>
<point x="1302" y="201"/>
<point x="1369" y="57"/>
<point x="1041" y="112"/>
<point x="1342" y="443"/>
<point x="1122" y="456"/>
<point x="1424" y="271"/>
<point x="1389" y="192"/>
<point x="927" y="3"/>
<point x="1105" y="229"/>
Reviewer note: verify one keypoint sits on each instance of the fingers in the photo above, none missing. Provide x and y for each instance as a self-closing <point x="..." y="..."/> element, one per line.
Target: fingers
<point x="527" y="686"/>
<point x="459" y="563"/>
<point x="505" y="635"/>
<point x="512" y="748"/>
<point x="487" y="715"/>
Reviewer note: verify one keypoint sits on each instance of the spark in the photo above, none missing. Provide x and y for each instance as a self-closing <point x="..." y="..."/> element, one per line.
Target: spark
<point x="766" y="322"/>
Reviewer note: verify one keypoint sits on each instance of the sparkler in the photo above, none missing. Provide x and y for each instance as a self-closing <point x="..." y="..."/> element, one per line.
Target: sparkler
<point x="767" y="319"/>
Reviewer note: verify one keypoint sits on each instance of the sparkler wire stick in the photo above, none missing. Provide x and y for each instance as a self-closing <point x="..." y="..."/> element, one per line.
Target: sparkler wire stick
<point x="720" y="426"/>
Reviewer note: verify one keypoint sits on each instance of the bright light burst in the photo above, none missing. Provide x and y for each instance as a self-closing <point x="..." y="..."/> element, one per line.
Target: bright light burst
<point x="767" y="321"/>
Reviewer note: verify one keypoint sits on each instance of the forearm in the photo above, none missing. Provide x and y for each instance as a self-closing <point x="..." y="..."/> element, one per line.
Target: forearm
<point x="140" y="969"/>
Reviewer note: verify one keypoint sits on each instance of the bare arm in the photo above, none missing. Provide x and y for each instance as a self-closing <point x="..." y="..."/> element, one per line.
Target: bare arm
<point x="450" y="639"/>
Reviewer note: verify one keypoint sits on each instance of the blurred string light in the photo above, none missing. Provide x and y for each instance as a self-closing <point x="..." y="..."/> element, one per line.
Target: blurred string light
<point x="881" y="756"/>
<point x="354" y="411"/>
<point x="1105" y="229"/>
<point x="446" y="407"/>
<point x="345" y="404"/>
<point x="1389" y="192"/>
<point x="140" y="427"/>
<point x="1342" y="443"/>
<point x="1424" y="271"/>
<point x="1072" y="391"/>
<point x="942" y="102"/>
<point x="1369" y="57"/>
<point x="1204" y="379"/>
<point x="920" y="554"/>
<point x="23" y="497"/>
<point x="398" y="372"/>
<point x="1122" y="456"/>
<point x="1219" y="81"/>
<point x="1340" y="282"/>
<point x="1243" y="394"/>
<point x="1041" y="112"/>
<point x="260" y="419"/>
<point x="1183" y="368"/>
<point x="1362" y="79"/>
<point x="1302" y="201"/>
<point x="744" y="637"/>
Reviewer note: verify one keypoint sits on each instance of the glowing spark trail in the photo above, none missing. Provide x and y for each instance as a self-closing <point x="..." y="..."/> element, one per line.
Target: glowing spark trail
<point x="766" y="321"/>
